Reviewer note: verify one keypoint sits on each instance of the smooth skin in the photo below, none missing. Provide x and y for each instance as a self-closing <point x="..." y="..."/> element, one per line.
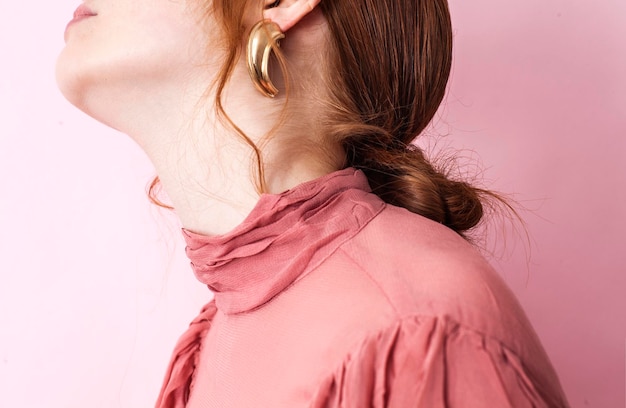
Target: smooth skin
<point x="144" y="68"/>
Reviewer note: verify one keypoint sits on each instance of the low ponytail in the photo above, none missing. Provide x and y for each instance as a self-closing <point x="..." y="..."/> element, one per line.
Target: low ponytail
<point x="387" y="70"/>
<point x="405" y="178"/>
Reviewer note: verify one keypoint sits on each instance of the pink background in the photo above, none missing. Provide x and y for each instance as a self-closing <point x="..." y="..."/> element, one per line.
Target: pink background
<point x="94" y="286"/>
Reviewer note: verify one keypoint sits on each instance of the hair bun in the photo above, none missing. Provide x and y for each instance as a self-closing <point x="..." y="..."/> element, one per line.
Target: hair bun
<point x="462" y="203"/>
<point x="407" y="179"/>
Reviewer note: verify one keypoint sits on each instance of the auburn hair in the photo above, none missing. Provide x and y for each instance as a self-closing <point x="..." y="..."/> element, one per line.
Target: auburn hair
<point x="387" y="70"/>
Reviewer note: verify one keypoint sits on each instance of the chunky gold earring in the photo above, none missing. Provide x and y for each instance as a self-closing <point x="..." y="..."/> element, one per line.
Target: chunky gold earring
<point x="262" y="38"/>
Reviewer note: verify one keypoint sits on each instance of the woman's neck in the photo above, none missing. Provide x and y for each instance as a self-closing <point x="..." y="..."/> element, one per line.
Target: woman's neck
<point x="206" y="168"/>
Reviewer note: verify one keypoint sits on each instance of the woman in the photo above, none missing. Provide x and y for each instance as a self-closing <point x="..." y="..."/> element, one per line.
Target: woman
<point x="335" y="251"/>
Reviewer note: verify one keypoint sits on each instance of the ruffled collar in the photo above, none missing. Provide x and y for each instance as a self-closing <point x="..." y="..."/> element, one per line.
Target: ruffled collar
<point x="284" y="237"/>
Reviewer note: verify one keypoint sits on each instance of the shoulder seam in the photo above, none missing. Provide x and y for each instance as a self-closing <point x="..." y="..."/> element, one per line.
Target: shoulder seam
<point x="371" y="279"/>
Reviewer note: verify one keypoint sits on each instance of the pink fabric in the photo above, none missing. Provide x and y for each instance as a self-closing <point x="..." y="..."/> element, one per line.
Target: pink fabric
<point x="178" y="379"/>
<point x="327" y="297"/>
<point x="235" y="266"/>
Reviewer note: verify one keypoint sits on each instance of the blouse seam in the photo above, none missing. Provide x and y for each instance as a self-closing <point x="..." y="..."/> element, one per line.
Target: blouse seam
<point x="401" y="318"/>
<point x="452" y="325"/>
<point x="371" y="279"/>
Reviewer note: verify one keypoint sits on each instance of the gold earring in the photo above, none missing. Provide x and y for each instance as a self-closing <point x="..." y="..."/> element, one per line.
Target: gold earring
<point x="263" y="36"/>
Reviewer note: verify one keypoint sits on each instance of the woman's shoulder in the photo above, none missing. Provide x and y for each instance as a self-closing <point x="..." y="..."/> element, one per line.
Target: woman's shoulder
<point x="423" y="268"/>
<point x="454" y="321"/>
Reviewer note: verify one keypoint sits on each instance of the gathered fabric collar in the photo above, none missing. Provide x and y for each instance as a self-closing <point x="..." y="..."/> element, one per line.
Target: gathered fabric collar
<point x="284" y="237"/>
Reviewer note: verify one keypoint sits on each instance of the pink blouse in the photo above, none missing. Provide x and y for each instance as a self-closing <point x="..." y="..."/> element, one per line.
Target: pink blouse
<point x="325" y="296"/>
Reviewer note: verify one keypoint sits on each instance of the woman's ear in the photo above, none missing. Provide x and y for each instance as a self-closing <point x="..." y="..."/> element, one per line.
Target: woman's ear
<point x="287" y="13"/>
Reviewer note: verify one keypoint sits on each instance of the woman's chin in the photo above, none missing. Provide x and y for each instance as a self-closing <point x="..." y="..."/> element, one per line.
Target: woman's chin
<point x="79" y="85"/>
<point x="70" y="78"/>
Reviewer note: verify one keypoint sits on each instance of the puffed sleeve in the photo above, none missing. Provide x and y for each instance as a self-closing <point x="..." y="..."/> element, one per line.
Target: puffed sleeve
<point x="434" y="362"/>
<point x="178" y="380"/>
